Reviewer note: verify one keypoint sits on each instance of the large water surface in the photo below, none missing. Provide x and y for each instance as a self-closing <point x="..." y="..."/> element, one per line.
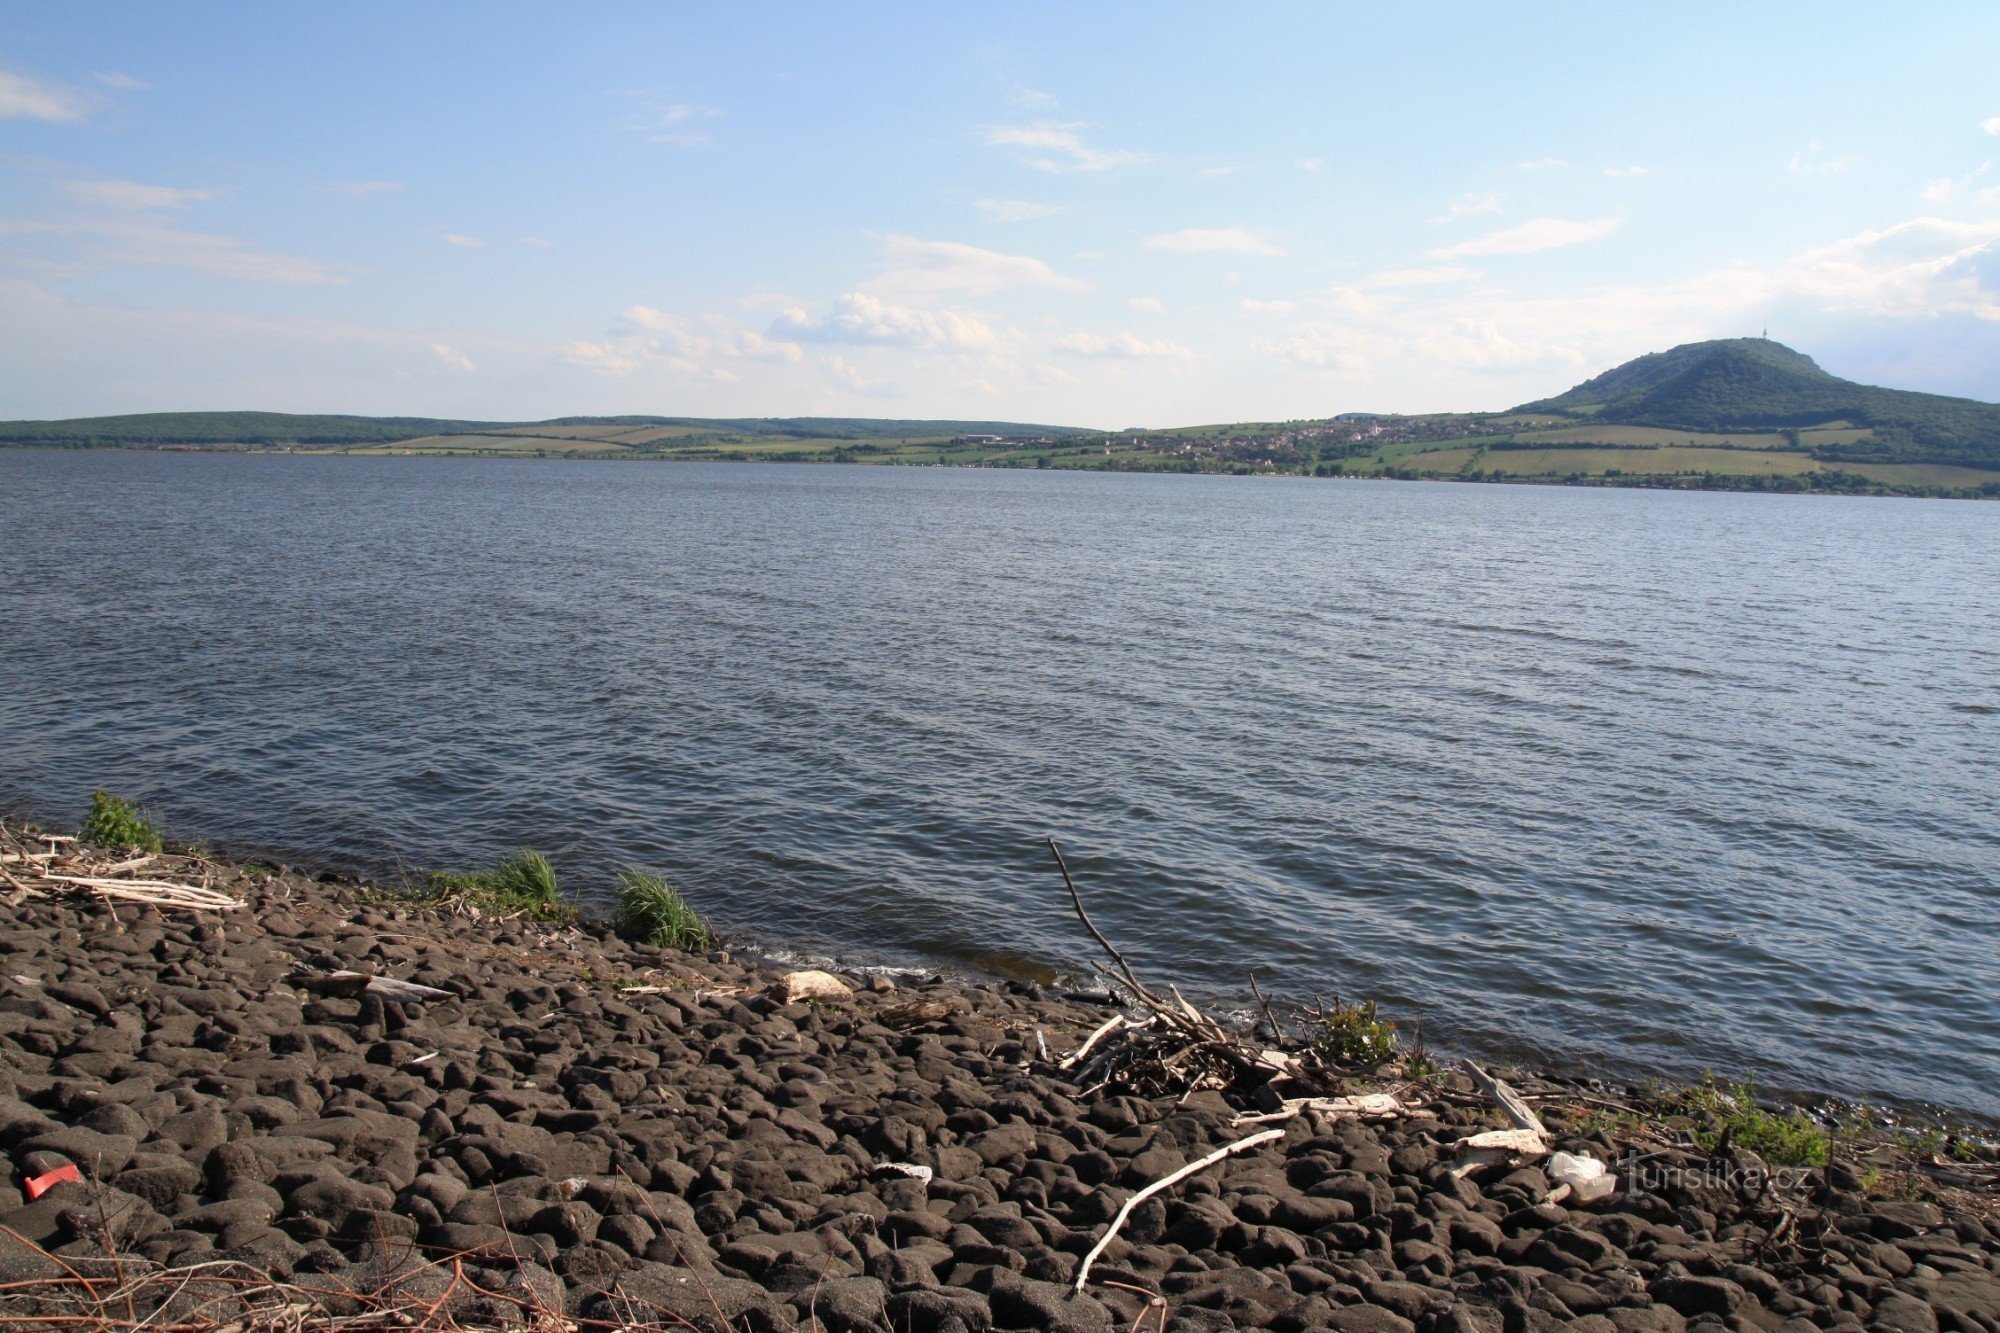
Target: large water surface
<point x="1653" y="781"/>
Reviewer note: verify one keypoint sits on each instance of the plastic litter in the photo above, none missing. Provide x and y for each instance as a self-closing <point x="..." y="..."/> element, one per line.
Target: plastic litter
<point x="1587" y="1178"/>
<point x="35" y="1187"/>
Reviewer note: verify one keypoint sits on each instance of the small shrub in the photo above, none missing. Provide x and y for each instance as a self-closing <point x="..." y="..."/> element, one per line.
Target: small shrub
<point x="652" y="910"/>
<point x="523" y="883"/>
<point x="114" y="822"/>
<point x="1351" y="1034"/>
<point x="1717" y="1108"/>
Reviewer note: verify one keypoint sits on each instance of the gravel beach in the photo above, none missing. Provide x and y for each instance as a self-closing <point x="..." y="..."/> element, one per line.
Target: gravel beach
<point x="586" y="1132"/>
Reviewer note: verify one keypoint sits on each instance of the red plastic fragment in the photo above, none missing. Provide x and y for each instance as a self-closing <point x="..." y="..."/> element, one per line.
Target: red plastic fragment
<point x="48" y="1180"/>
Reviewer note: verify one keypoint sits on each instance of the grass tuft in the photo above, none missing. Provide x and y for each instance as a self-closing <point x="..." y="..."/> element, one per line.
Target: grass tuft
<point x="652" y="910"/>
<point x="115" y="822"/>
<point x="524" y="883"/>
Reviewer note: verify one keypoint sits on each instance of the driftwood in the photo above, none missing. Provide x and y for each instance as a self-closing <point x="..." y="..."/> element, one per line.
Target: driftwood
<point x="1167" y="1182"/>
<point x="1365" y="1106"/>
<point x="1507" y="1099"/>
<point x="68" y="868"/>
<point x="348" y="985"/>
<point x="1176" y="1049"/>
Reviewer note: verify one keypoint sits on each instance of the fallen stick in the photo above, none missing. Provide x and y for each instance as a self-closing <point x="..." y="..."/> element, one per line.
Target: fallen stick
<point x="1070" y="1061"/>
<point x="349" y="984"/>
<point x="1368" y="1105"/>
<point x="1167" y="1182"/>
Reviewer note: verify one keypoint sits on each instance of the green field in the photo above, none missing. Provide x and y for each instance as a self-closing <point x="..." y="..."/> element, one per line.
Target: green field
<point x="1653" y="435"/>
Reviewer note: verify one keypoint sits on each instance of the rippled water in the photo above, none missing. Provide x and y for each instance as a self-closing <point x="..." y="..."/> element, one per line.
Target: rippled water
<point x="1654" y="780"/>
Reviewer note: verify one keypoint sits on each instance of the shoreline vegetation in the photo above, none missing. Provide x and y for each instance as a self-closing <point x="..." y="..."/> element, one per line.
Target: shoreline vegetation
<point x="238" y="1095"/>
<point x="1741" y="414"/>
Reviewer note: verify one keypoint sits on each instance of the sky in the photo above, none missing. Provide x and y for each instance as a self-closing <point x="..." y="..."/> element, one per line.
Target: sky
<point x="1107" y="215"/>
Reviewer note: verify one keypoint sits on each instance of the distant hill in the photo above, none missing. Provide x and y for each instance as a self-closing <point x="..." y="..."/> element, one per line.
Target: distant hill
<point x="265" y="429"/>
<point x="1742" y="384"/>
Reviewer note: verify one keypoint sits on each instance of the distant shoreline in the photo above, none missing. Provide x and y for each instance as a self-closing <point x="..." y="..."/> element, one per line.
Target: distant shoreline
<point x="1834" y="481"/>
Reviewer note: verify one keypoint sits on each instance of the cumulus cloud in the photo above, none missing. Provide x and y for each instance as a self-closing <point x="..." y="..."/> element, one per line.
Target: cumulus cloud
<point x="1530" y="238"/>
<point x="1270" y="307"/>
<point x="846" y="374"/>
<point x="1015" y="210"/>
<point x="24" y="98"/>
<point x="1211" y="241"/>
<point x="1628" y="171"/>
<point x="860" y="317"/>
<point x="1991" y="124"/>
<point x="1121" y="346"/>
<point x="1468" y="204"/>
<point x="920" y="269"/>
<point x="1152" y="305"/>
<point x="1054" y="146"/>
<point x="644" y="338"/>
<point x="1035" y="99"/>
<point x="452" y="357"/>
<point x="1310" y="163"/>
<point x="462" y="241"/>
<point x="132" y="196"/>
<point x="1541" y="164"/>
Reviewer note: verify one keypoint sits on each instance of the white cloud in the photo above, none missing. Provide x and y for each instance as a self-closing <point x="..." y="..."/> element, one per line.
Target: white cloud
<point x="1430" y="276"/>
<point x="676" y="123"/>
<point x="463" y="242"/>
<point x="1991" y="124"/>
<point x="643" y="338"/>
<point x="1035" y="99"/>
<point x="1016" y="210"/>
<point x="1319" y="347"/>
<point x="923" y="269"/>
<point x="23" y="98"/>
<point x="710" y="335"/>
<point x="1467" y="204"/>
<point x="539" y="242"/>
<point x="1310" y="163"/>
<point x="1812" y="161"/>
<point x="118" y="242"/>
<point x="132" y="196"/>
<point x="1214" y="173"/>
<point x="361" y="189"/>
<point x="1945" y="188"/>
<point x="1530" y="238"/>
<point x="452" y="357"/>
<point x="124" y="83"/>
<point x="1270" y="307"/>
<point x="859" y="317"/>
<point x="1541" y="164"/>
<point x="1211" y="241"/>
<point x="1052" y="146"/>
<point x="1920" y="268"/>
<point x="1152" y="305"/>
<point x="1121" y="346"/>
<point x="847" y="374"/>
<point x="1628" y="171"/>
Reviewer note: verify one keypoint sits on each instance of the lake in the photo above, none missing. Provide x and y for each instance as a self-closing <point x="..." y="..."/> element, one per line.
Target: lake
<point x="1645" y="781"/>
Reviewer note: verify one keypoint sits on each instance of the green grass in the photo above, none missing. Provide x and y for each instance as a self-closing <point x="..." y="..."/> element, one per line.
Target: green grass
<point x="114" y="822"/>
<point x="524" y="883"/>
<point x="652" y="910"/>
<point x="1350" y="1034"/>
<point x="1718" y="1108"/>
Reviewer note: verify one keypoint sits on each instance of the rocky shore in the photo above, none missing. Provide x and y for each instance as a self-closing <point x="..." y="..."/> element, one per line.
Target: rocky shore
<point x="586" y="1132"/>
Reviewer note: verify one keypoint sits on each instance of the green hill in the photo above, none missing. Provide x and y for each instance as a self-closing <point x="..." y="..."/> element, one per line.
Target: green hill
<point x="1750" y="384"/>
<point x="266" y="429"/>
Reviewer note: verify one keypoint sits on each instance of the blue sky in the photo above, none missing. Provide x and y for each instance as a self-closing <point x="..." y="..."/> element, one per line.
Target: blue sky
<point x="1102" y="214"/>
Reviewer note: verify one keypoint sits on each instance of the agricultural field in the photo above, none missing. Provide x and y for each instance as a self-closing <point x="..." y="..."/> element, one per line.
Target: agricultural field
<point x="1653" y="436"/>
